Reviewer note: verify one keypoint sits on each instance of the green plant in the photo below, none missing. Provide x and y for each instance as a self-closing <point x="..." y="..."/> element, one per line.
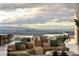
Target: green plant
<point x="77" y="22"/>
<point x="54" y="43"/>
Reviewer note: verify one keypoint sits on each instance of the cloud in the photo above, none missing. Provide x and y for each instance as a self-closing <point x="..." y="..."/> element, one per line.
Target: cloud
<point x="13" y="6"/>
<point x="49" y="25"/>
<point x="38" y="15"/>
<point x="13" y="16"/>
<point x="53" y="24"/>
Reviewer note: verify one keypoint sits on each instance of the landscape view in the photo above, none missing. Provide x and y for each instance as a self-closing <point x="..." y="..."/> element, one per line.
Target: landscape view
<point x="37" y="29"/>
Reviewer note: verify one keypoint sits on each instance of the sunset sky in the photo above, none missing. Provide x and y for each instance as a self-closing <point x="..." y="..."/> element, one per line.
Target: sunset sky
<point x="37" y="16"/>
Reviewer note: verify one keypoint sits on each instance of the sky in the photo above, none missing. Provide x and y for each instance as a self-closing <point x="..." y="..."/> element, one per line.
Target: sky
<point x="37" y="15"/>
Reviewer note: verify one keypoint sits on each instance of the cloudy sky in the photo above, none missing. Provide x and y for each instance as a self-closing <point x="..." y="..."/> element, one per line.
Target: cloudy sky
<point x="37" y="16"/>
